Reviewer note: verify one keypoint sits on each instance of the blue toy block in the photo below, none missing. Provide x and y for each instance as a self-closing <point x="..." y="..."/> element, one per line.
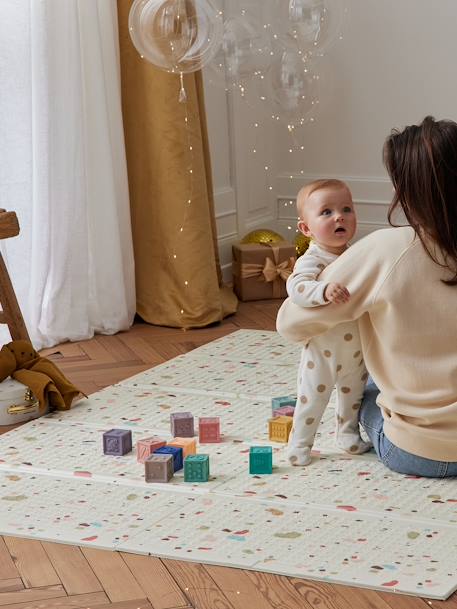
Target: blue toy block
<point x="286" y="400"/>
<point x="260" y="460"/>
<point x="196" y="468"/>
<point x="117" y="442"/>
<point x="176" y="454"/>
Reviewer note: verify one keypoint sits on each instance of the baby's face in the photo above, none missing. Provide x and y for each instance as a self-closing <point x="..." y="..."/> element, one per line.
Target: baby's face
<point x="329" y="218"/>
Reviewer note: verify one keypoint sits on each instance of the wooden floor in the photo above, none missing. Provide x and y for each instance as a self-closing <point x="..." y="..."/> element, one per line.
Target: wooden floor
<point x="43" y="575"/>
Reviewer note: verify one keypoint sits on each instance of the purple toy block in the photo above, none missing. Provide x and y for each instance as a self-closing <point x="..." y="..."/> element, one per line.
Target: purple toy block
<point x="146" y="446"/>
<point x="209" y="429"/>
<point x="284" y="411"/>
<point x="117" y="442"/>
<point x="158" y="468"/>
<point x="182" y="425"/>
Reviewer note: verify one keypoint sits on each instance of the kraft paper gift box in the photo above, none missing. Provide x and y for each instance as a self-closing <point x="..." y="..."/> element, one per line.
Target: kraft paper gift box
<point x="260" y="270"/>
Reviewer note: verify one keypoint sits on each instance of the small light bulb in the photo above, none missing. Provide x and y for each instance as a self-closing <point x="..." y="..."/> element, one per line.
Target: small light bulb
<point x="186" y="283"/>
<point x="174" y="256"/>
<point x="181" y="229"/>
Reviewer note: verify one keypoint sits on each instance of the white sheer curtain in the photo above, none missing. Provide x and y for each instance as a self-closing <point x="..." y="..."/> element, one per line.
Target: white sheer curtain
<point x="63" y="168"/>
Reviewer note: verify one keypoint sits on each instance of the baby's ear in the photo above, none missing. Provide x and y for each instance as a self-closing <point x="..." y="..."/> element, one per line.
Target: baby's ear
<point x="303" y="228"/>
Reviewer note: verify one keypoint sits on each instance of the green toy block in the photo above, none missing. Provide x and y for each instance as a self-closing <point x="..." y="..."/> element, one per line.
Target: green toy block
<point x="260" y="460"/>
<point x="196" y="468"/>
<point x="286" y="400"/>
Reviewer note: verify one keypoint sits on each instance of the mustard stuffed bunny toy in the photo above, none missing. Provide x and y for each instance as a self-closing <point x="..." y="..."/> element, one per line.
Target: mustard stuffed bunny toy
<point x="19" y="360"/>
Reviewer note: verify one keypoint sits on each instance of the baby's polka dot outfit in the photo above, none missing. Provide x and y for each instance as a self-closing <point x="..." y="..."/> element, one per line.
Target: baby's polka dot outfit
<point x="333" y="359"/>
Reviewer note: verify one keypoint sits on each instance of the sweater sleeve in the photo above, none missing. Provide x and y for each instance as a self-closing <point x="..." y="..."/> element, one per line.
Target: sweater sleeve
<point x="362" y="269"/>
<point x="302" y="285"/>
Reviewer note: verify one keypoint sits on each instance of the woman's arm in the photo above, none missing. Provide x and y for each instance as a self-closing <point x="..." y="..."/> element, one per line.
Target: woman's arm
<point x="362" y="269"/>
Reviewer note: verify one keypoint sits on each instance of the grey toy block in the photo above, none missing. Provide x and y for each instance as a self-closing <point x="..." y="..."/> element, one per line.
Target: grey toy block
<point x="182" y="425"/>
<point x="117" y="442"/>
<point x="158" y="468"/>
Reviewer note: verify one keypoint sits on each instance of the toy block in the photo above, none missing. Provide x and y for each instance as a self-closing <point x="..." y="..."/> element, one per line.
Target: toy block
<point x="260" y="460"/>
<point x="284" y="411"/>
<point x="182" y="425"/>
<point x="147" y="446"/>
<point x="188" y="445"/>
<point x="158" y="468"/>
<point x="196" y="468"/>
<point x="175" y="452"/>
<point x="117" y="442"/>
<point x="209" y="430"/>
<point x="279" y="429"/>
<point x="287" y="400"/>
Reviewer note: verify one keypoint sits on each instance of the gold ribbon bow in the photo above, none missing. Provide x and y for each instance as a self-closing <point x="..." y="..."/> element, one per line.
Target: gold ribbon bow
<point x="272" y="271"/>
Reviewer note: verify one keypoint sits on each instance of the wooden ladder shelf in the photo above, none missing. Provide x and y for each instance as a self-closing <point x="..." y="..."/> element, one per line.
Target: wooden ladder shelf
<point x="11" y="313"/>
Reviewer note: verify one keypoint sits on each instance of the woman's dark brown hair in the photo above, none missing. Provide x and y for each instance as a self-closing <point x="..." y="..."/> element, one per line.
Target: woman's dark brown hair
<point x="422" y="163"/>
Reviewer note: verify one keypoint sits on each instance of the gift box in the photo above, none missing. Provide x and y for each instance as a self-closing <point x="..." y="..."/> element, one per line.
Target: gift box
<point x="260" y="270"/>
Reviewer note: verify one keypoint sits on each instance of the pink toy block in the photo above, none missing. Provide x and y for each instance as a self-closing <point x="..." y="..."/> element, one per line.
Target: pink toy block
<point x="146" y="446"/>
<point x="284" y="411"/>
<point x="188" y="445"/>
<point x="209" y="430"/>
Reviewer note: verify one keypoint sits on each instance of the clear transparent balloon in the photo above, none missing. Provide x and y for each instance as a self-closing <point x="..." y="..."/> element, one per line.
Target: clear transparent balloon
<point x="245" y="52"/>
<point x="309" y="26"/>
<point x="294" y="89"/>
<point x="176" y="35"/>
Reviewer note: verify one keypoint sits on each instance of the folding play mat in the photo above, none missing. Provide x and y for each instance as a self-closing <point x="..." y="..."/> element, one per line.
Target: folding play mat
<point x="343" y="519"/>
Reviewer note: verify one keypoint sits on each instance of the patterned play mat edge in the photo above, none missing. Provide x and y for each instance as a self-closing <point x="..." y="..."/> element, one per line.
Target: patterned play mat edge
<point x="344" y="519"/>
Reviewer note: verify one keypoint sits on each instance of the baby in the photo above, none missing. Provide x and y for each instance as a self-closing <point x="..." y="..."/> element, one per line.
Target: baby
<point x="326" y="214"/>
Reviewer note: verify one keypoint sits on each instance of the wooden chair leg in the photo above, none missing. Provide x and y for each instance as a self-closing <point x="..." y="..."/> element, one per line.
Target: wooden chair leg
<point x="11" y="313"/>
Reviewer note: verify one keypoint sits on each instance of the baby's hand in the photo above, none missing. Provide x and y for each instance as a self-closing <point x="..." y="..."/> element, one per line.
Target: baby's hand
<point x="335" y="292"/>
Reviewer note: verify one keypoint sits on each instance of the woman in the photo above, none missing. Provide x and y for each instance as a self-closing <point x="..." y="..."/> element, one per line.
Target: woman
<point x="403" y="286"/>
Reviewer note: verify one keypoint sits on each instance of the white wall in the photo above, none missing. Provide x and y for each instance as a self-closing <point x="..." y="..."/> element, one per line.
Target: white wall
<point x="394" y="65"/>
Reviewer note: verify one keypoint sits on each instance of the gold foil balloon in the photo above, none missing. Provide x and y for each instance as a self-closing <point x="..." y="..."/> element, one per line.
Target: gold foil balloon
<point x="301" y="244"/>
<point x="262" y="235"/>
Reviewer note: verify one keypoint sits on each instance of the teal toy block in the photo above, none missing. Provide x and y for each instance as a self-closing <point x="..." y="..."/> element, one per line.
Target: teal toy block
<point x="280" y="402"/>
<point x="196" y="468"/>
<point x="260" y="460"/>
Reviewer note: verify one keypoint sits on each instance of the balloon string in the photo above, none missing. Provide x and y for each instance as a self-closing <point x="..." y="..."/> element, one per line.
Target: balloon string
<point x="182" y="92"/>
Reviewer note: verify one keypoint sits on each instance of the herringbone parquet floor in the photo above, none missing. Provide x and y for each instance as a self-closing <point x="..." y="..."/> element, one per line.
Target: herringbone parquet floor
<point x="41" y="575"/>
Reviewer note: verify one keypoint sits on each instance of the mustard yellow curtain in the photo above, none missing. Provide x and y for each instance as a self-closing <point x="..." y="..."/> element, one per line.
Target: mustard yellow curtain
<point x="178" y="278"/>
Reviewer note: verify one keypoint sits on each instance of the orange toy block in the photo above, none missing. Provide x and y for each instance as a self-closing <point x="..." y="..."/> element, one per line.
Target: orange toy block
<point x="188" y="445"/>
<point x="279" y="429"/>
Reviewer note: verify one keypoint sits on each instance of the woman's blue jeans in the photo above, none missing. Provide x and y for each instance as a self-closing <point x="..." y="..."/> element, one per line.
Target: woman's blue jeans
<point x="391" y="456"/>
